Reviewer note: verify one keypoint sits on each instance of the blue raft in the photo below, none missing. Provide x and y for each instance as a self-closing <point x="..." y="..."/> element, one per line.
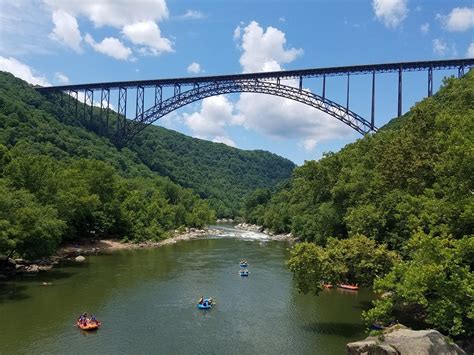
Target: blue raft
<point x="243" y="264"/>
<point x="243" y="273"/>
<point x="205" y="305"/>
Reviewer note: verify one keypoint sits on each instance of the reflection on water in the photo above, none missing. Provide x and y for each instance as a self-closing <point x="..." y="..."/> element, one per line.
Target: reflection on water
<point x="146" y="300"/>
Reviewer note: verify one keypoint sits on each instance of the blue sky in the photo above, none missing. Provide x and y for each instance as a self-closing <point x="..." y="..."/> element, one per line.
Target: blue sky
<point x="50" y="42"/>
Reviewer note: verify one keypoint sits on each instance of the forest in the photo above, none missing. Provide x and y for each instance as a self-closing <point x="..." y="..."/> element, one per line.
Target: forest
<point x="393" y="211"/>
<point x="63" y="179"/>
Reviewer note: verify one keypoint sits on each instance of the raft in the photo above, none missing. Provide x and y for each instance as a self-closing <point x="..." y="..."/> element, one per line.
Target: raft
<point x="243" y="264"/>
<point x="244" y="273"/>
<point x="205" y="305"/>
<point x="89" y="325"/>
<point x="348" y="287"/>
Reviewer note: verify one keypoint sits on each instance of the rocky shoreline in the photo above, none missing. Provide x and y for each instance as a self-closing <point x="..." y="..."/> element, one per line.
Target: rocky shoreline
<point x="260" y="229"/>
<point x="10" y="268"/>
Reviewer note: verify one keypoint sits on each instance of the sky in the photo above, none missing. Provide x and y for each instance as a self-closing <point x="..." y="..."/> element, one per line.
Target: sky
<point x="58" y="42"/>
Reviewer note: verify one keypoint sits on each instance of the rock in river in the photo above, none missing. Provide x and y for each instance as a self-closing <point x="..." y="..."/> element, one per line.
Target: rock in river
<point x="80" y="259"/>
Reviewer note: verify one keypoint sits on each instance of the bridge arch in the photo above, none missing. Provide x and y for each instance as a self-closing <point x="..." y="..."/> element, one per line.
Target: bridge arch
<point x="181" y="99"/>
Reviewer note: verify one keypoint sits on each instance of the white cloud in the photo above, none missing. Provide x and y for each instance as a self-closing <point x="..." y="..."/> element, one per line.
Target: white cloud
<point x="390" y="12"/>
<point x="425" y="28"/>
<point x="470" y="51"/>
<point x="194" y="68"/>
<point x="115" y="13"/>
<point x="216" y="113"/>
<point x="458" y="20"/>
<point x="109" y="46"/>
<point x="193" y="15"/>
<point x="22" y="71"/>
<point x="264" y="50"/>
<point x="237" y="33"/>
<point x="61" y="78"/>
<point x="225" y="140"/>
<point x="440" y="47"/>
<point x="147" y="33"/>
<point x="66" y="30"/>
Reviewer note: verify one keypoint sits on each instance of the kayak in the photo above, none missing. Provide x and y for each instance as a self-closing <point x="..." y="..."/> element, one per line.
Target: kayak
<point x="244" y="273"/>
<point x="89" y="325"/>
<point x="348" y="287"/>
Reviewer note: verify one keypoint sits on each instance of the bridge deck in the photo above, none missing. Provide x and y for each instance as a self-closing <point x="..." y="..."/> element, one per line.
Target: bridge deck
<point x="282" y="75"/>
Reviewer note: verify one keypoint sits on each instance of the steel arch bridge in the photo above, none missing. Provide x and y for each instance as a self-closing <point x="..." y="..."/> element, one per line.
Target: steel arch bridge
<point x="263" y="83"/>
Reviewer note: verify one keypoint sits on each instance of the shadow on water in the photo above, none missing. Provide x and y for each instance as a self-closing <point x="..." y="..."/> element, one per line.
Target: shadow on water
<point x="17" y="289"/>
<point x="347" y="330"/>
<point x="363" y="305"/>
<point x="9" y="292"/>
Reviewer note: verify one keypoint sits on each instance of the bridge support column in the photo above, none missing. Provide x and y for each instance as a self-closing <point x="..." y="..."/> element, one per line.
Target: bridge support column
<point x="104" y="98"/>
<point x="430" y="82"/>
<point x="121" y="109"/>
<point x="372" y="113"/>
<point x="140" y="104"/>
<point x="301" y="83"/>
<point x="177" y="90"/>
<point x="461" y="71"/>
<point x="158" y="95"/>
<point x="88" y="99"/>
<point x="399" y="92"/>
<point x="324" y="86"/>
<point x="348" y="85"/>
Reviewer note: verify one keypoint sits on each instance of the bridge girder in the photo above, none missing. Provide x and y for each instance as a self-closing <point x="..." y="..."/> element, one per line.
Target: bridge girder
<point x="181" y="99"/>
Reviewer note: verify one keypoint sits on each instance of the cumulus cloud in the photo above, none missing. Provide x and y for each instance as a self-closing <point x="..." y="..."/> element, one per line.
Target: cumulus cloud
<point x="22" y="71"/>
<point x="109" y="46"/>
<point x="194" y="68"/>
<point x="147" y="33"/>
<point x="115" y="13"/>
<point x="460" y="19"/>
<point x="425" y="28"/>
<point x="440" y="47"/>
<point x="390" y="12"/>
<point x="66" y="30"/>
<point x="193" y="15"/>
<point x="470" y="51"/>
<point x="265" y="50"/>
<point x="225" y="140"/>
<point x="216" y="113"/>
<point x="61" y="78"/>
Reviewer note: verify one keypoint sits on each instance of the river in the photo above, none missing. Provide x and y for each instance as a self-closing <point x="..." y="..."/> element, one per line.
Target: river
<point x="146" y="300"/>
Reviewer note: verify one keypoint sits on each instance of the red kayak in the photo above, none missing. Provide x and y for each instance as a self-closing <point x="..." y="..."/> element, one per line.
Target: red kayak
<point x="348" y="287"/>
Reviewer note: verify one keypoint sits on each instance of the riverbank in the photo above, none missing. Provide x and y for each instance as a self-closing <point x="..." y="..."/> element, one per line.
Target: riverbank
<point x="260" y="229"/>
<point x="77" y="252"/>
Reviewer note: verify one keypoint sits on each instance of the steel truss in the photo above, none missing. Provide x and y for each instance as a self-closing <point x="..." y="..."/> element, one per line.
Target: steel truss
<point x="332" y="108"/>
<point x="188" y="90"/>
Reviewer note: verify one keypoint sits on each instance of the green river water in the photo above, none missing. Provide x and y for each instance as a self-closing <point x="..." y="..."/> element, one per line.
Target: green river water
<point x="146" y="300"/>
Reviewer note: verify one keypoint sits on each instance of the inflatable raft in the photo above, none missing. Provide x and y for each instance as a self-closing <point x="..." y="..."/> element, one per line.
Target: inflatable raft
<point x="206" y="304"/>
<point x="243" y="273"/>
<point x="88" y="325"/>
<point x="348" y="287"/>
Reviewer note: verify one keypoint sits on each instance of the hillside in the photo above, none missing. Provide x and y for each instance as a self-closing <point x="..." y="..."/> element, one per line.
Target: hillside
<point x="223" y="175"/>
<point x="395" y="211"/>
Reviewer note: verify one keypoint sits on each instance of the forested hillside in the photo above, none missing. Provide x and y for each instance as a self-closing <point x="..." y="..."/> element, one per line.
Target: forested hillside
<point x="398" y="203"/>
<point x="60" y="181"/>
<point x="220" y="174"/>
